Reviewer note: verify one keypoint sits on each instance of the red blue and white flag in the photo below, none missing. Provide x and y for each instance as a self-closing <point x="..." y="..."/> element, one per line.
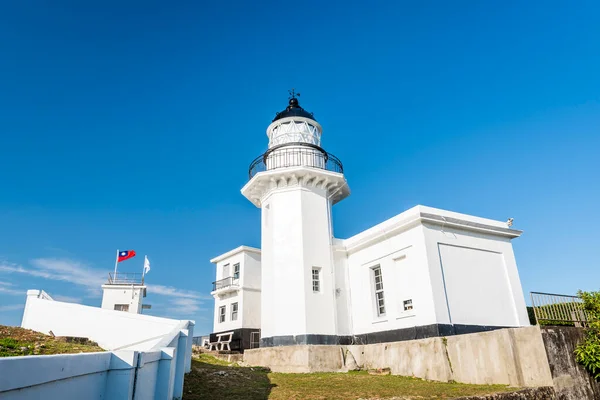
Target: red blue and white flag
<point x="126" y="255"/>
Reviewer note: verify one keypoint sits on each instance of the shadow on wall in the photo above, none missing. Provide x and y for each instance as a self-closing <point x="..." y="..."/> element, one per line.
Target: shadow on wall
<point x="208" y="381"/>
<point x="571" y="380"/>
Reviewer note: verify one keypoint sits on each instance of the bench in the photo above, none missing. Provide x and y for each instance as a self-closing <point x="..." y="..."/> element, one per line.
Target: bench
<point x="223" y="340"/>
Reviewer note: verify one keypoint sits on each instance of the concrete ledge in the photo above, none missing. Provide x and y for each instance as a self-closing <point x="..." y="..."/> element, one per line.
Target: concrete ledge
<point x="423" y="358"/>
<point x="297" y="359"/>
<point x="512" y="356"/>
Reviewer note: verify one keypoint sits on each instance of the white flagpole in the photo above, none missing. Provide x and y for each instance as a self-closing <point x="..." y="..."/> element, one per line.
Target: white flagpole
<point x="144" y="268"/>
<point x="116" y="263"/>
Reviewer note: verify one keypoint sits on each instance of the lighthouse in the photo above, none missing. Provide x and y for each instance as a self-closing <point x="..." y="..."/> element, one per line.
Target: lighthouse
<point x="295" y="183"/>
<point x="425" y="272"/>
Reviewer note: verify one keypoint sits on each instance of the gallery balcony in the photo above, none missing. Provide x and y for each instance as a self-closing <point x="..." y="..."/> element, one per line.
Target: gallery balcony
<point x="295" y="155"/>
<point x="227" y="285"/>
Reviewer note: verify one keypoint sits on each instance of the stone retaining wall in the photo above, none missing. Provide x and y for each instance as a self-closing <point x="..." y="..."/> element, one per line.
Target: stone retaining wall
<point x="541" y="393"/>
<point x="571" y="380"/>
<point x="514" y="356"/>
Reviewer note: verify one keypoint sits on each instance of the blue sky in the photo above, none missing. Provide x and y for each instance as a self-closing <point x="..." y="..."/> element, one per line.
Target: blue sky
<point x="131" y="125"/>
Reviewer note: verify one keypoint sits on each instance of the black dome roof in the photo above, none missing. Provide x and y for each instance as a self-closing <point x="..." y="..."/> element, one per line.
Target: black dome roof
<point x="294" y="110"/>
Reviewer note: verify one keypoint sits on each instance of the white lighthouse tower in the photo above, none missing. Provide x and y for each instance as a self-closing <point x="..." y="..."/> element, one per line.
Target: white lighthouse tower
<point x="295" y="183"/>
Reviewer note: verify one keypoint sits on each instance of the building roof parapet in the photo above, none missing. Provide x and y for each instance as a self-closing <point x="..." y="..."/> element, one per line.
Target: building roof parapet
<point x="231" y="253"/>
<point x="420" y="214"/>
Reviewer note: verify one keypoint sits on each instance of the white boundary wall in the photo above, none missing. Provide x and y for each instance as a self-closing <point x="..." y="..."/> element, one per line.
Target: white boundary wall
<point x="147" y="369"/>
<point x="112" y="330"/>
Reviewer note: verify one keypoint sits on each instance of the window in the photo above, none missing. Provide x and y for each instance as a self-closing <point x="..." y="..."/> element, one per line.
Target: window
<point x="234" y="311"/>
<point x="225" y="271"/>
<point x="407" y="305"/>
<point x="236" y="271"/>
<point x="378" y="283"/>
<point x="221" y="314"/>
<point x="316" y="283"/>
<point x="121" y="307"/>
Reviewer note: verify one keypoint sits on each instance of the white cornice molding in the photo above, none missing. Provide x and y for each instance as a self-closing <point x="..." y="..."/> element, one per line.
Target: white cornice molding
<point x="391" y="228"/>
<point x="469" y="225"/>
<point x="263" y="183"/>
<point x="237" y="250"/>
<point x="366" y="238"/>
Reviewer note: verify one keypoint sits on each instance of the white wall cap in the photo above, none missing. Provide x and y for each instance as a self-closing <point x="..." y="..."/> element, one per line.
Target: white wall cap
<point x="39" y="294"/>
<point x="231" y="253"/>
<point x="464" y="217"/>
<point x="123" y="359"/>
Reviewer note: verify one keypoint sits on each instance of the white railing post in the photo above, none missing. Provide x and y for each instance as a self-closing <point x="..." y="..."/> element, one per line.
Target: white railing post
<point x="121" y="375"/>
<point x="165" y="376"/>
<point x="180" y="366"/>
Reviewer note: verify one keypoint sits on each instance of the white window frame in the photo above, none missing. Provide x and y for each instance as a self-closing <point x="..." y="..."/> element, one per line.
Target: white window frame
<point x="378" y="293"/>
<point x="236" y="271"/>
<point x="122" y="307"/>
<point x="225" y="271"/>
<point x="316" y="283"/>
<point x="234" y="311"/>
<point x="222" y="313"/>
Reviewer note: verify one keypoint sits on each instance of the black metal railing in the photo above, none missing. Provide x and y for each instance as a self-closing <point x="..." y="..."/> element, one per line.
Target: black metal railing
<point x="223" y="283"/>
<point x="126" y="278"/>
<point x="295" y="155"/>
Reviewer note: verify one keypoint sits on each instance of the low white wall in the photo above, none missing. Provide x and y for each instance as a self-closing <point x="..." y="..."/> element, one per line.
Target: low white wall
<point x="125" y="374"/>
<point x="112" y="330"/>
<point x="84" y="376"/>
<point x="155" y="370"/>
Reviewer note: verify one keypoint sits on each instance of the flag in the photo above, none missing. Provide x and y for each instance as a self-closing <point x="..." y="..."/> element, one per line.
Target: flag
<point x="146" y="265"/>
<point x="126" y="255"/>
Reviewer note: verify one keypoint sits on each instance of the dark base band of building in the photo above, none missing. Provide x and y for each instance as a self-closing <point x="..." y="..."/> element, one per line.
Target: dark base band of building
<point x="240" y="340"/>
<point x="395" y="335"/>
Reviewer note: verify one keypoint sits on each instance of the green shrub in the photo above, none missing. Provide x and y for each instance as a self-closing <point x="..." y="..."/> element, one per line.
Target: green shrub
<point x="588" y="352"/>
<point x="9" y="343"/>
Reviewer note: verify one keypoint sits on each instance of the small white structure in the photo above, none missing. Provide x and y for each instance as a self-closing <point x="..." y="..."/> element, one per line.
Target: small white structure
<point x="124" y="292"/>
<point x="146" y="356"/>
<point x="426" y="272"/>
<point x="237" y="296"/>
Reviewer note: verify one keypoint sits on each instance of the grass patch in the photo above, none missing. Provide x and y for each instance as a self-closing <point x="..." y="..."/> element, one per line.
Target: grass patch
<point x="215" y="379"/>
<point x="208" y="359"/>
<point x="16" y="341"/>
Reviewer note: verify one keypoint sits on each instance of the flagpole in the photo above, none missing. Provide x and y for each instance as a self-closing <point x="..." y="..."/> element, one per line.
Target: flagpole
<point x="116" y="263"/>
<point x="144" y="268"/>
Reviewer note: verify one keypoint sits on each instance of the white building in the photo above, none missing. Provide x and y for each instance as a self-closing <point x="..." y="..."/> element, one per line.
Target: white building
<point x="124" y="292"/>
<point x="426" y="272"/>
<point x="237" y="296"/>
